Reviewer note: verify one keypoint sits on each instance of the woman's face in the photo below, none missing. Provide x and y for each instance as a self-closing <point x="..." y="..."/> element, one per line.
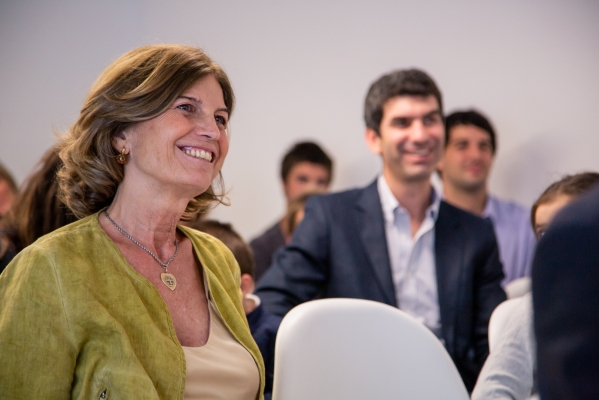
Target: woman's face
<point x="546" y="211"/>
<point x="184" y="147"/>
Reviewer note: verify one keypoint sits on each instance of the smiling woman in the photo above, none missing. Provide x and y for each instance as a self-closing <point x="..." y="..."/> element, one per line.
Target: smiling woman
<point x="128" y="303"/>
<point x="141" y="85"/>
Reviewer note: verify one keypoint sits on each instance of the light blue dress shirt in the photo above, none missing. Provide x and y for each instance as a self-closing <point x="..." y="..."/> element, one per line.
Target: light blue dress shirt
<point x="515" y="237"/>
<point x="412" y="259"/>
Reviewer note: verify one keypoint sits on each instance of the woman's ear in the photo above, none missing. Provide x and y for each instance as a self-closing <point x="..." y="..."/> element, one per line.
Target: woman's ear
<point x="119" y="141"/>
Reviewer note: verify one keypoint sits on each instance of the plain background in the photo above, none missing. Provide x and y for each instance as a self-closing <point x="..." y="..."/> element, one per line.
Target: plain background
<point x="300" y="70"/>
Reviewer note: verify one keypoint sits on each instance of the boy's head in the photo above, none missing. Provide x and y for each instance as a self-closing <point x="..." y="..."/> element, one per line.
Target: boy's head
<point x="240" y="249"/>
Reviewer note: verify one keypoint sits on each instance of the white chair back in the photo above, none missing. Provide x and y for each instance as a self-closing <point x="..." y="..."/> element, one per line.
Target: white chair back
<point x="359" y="349"/>
<point x="499" y="318"/>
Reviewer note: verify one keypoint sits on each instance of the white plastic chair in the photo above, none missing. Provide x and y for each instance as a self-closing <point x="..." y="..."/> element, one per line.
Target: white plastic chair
<point x="518" y="287"/>
<point x="499" y="318"/>
<point x="353" y="349"/>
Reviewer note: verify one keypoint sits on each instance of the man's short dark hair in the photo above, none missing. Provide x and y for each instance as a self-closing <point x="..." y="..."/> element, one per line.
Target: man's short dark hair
<point x="469" y="117"/>
<point x="305" y="152"/>
<point x="225" y="233"/>
<point x="404" y="82"/>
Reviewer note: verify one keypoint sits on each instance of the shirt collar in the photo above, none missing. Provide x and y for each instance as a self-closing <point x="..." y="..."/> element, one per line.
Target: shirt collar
<point x="389" y="203"/>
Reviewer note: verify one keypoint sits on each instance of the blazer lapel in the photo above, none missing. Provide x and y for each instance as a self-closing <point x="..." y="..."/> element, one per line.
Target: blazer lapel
<point x="372" y="233"/>
<point x="449" y="255"/>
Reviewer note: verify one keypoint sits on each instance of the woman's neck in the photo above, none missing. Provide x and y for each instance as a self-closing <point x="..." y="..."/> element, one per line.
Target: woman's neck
<point x="150" y="218"/>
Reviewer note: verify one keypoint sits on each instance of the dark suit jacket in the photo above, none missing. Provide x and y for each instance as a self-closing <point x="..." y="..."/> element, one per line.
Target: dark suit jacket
<point x="340" y="250"/>
<point x="264" y="327"/>
<point x="565" y="283"/>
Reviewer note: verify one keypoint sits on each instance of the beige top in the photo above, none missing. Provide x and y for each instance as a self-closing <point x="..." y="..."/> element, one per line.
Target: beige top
<point x="211" y="372"/>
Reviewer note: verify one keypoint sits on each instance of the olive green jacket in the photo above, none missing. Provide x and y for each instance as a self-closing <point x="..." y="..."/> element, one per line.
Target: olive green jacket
<point x="78" y="322"/>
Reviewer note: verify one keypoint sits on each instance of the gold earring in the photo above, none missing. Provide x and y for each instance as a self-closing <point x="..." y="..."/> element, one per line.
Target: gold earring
<point x="122" y="158"/>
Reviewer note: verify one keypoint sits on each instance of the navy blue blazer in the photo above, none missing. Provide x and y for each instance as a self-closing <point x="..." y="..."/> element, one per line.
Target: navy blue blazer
<point x="264" y="327"/>
<point x="340" y="250"/>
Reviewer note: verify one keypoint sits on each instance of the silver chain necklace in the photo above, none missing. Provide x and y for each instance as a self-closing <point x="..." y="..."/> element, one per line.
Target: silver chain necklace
<point x="168" y="279"/>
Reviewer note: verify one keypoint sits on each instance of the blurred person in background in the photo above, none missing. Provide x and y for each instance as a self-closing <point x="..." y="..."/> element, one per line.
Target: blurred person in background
<point x="565" y="289"/>
<point x="305" y="167"/>
<point x="36" y="210"/>
<point x="8" y="190"/>
<point x="511" y="369"/>
<point x="470" y="149"/>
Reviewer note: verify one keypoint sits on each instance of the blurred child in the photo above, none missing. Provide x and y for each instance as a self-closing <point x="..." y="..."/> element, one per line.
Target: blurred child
<point x="510" y="370"/>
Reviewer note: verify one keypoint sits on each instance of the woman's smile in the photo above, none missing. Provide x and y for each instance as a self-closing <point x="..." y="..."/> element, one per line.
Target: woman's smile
<point x="198" y="153"/>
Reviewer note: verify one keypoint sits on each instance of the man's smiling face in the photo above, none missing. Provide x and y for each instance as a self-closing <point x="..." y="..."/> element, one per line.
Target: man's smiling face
<point x="411" y="138"/>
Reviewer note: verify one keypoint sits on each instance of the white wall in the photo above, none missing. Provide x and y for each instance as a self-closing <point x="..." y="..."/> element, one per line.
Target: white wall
<point x="300" y="70"/>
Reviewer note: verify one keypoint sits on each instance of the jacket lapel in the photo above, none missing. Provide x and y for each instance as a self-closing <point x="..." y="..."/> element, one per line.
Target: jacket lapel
<point x="449" y="253"/>
<point x="372" y="232"/>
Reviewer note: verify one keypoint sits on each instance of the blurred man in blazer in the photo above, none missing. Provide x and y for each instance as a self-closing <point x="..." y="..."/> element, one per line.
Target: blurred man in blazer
<point x="395" y="241"/>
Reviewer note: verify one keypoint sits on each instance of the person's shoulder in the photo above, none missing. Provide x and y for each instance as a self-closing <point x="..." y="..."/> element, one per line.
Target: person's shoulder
<point x="49" y="253"/>
<point x="348" y="196"/>
<point x="473" y="227"/>
<point x="456" y="214"/>
<point x="69" y="237"/>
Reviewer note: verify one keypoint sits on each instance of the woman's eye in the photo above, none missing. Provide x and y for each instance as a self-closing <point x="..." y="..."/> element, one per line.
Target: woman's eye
<point x="221" y="120"/>
<point x="185" y="107"/>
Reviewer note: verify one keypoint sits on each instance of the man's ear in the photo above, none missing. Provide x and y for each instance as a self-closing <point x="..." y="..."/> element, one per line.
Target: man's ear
<point x="373" y="141"/>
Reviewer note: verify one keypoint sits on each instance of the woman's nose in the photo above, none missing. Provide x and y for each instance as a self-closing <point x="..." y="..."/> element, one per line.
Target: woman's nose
<point x="208" y="127"/>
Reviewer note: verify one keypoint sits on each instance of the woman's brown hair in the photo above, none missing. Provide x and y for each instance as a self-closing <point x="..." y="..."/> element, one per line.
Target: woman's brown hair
<point x="138" y="86"/>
